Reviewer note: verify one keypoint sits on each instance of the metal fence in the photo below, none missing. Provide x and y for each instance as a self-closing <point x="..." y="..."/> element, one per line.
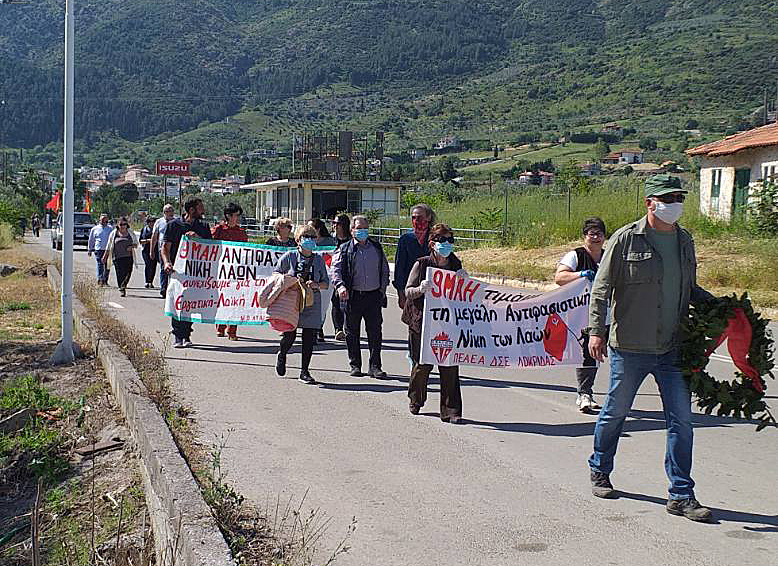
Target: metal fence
<point x="465" y="237"/>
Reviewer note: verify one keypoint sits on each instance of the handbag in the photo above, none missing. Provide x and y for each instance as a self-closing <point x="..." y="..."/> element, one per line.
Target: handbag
<point x="306" y="295"/>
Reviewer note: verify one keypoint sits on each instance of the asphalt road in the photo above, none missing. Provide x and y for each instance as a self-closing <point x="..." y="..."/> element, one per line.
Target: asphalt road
<point x="510" y="486"/>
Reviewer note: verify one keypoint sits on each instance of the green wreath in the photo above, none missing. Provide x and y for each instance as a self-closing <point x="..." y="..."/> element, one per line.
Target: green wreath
<point x="743" y="397"/>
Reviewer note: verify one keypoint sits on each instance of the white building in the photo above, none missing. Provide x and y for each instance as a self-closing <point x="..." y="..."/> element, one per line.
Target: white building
<point x="301" y="199"/>
<point x="730" y="167"/>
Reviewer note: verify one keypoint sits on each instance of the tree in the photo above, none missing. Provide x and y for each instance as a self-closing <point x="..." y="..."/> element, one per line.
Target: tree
<point x="248" y="177"/>
<point x="601" y="149"/>
<point x="446" y="169"/>
<point x="648" y="143"/>
<point x="129" y="192"/>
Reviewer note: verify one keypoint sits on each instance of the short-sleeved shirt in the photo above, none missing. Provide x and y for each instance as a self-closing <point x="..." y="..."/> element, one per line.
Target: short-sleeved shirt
<point x="666" y="244"/>
<point x="223" y="232"/>
<point x="570" y="260"/>
<point x="159" y="227"/>
<point x="176" y="229"/>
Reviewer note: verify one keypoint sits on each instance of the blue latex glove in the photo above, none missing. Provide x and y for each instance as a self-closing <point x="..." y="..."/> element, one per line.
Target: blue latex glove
<point x="588" y="273"/>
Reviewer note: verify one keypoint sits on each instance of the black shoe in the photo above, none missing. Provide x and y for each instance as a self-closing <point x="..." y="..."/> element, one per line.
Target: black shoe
<point x="320" y="336"/>
<point x="356" y="372"/>
<point x="280" y="365"/>
<point x="377" y="373"/>
<point x="601" y="485"/>
<point x="689" y="508"/>
<point x="306" y="378"/>
<point x="414" y="408"/>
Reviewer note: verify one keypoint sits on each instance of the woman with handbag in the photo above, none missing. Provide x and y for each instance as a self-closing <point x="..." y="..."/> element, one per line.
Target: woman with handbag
<point x="121" y="252"/>
<point x="311" y="272"/>
<point x="441" y="256"/>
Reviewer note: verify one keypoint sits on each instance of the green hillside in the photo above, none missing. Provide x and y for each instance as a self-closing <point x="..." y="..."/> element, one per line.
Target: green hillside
<point x="156" y="69"/>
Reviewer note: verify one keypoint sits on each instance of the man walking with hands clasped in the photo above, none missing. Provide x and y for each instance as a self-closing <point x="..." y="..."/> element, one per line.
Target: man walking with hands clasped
<point x="648" y="273"/>
<point x="360" y="276"/>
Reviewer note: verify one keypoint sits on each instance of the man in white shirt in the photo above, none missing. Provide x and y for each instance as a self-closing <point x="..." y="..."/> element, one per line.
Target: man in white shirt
<point x="98" y="242"/>
<point x="157" y="240"/>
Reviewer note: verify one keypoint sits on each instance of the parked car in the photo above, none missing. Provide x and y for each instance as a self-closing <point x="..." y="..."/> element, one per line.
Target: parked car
<point x="82" y="224"/>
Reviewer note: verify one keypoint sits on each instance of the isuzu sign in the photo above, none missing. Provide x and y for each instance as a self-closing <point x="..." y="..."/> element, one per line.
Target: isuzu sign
<point x="180" y="168"/>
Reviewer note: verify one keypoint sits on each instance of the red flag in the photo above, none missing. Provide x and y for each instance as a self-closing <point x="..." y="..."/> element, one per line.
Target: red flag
<point x="53" y="204"/>
<point x="738" y="333"/>
<point x="555" y="336"/>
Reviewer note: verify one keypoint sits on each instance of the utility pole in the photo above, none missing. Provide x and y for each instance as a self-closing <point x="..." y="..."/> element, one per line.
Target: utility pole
<point x="64" y="351"/>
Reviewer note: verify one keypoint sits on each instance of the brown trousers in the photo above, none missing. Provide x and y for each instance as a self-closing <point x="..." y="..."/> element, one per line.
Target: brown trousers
<point x="450" y="393"/>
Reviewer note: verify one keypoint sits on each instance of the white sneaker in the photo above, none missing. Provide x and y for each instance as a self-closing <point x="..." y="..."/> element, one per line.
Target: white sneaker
<point x="592" y="405"/>
<point x="187" y="342"/>
<point x="177" y="342"/>
<point x="580" y="402"/>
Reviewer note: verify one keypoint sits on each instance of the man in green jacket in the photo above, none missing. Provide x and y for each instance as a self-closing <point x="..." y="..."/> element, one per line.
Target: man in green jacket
<point x="648" y="274"/>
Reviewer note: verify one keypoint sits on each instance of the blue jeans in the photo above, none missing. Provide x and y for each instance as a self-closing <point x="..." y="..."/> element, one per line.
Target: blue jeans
<point x="627" y="372"/>
<point x="102" y="272"/>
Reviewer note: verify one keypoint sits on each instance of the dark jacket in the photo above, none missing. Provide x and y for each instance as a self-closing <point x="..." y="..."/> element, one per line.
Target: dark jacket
<point x="408" y="251"/>
<point x="344" y="260"/>
<point x="413" y="311"/>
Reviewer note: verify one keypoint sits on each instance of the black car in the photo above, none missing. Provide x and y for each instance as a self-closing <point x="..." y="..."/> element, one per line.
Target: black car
<point x="82" y="224"/>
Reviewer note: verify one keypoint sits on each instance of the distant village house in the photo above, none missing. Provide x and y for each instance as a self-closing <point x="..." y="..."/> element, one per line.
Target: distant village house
<point x="624" y="157"/>
<point x="730" y="167"/>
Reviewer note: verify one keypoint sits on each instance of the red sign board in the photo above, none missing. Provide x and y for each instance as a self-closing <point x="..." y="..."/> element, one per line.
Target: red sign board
<point x="180" y="168"/>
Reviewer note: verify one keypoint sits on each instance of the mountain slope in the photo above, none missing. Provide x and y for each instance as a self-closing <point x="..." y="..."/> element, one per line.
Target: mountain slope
<point x="152" y="66"/>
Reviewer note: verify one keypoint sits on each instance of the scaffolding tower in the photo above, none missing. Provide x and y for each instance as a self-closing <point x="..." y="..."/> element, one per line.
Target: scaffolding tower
<point x="341" y="155"/>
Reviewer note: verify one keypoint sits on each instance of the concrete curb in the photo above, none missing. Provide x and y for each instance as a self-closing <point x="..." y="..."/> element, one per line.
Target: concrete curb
<point x="182" y="521"/>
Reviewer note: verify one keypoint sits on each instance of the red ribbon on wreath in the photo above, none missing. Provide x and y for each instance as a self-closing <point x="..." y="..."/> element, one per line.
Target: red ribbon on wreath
<point x="738" y="335"/>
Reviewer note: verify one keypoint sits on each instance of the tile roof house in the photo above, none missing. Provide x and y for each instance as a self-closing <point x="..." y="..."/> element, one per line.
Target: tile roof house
<point x="626" y="156"/>
<point x="730" y="167"/>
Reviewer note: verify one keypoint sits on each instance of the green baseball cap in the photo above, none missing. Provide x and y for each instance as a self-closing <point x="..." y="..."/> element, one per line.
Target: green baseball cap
<point x="662" y="185"/>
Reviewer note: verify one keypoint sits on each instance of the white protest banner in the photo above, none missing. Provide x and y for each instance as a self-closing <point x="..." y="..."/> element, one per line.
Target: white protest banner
<point x="219" y="282"/>
<point x="469" y="322"/>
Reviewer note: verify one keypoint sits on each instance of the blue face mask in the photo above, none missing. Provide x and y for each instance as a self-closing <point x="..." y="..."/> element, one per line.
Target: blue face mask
<point x="361" y="234"/>
<point x="444" y="249"/>
<point x="308" y="244"/>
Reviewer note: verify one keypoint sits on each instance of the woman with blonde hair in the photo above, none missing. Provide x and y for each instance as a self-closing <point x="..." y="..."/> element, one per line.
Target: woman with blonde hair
<point x="283" y="227"/>
<point x="311" y="270"/>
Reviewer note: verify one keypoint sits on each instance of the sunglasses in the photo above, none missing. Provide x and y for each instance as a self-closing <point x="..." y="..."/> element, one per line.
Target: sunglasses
<point x="670" y="198"/>
<point x="443" y="239"/>
<point x="595" y="234"/>
<point x="124" y="225"/>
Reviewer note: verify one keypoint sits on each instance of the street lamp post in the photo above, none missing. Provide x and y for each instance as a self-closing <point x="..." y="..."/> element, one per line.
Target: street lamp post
<point x="64" y="351"/>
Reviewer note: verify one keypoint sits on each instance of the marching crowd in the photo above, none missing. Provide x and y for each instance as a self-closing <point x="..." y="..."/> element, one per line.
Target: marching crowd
<point x="643" y="281"/>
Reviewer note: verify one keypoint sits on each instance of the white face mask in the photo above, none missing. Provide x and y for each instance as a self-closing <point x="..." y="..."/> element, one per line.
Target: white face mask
<point x="668" y="213"/>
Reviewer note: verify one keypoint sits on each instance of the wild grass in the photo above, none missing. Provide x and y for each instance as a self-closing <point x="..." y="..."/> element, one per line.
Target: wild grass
<point x="6" y="236"/>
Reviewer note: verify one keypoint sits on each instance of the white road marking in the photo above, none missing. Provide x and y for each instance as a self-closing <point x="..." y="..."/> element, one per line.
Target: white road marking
<point x="115" y="305"/>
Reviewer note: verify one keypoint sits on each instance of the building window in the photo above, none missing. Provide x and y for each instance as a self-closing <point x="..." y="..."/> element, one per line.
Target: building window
<point x="353" y="202"/>
<point x="715" y="188"/>
<point x="768" y="173"/>
<point x="381" y="199"/>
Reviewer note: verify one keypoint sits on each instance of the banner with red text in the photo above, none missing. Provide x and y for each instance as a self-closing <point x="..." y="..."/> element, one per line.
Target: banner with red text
<point x="219" y="282"/>
<point x="469" y="322"/>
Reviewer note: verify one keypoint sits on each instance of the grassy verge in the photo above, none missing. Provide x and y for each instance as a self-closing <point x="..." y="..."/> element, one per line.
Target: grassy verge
<point x="91" y="509"/>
